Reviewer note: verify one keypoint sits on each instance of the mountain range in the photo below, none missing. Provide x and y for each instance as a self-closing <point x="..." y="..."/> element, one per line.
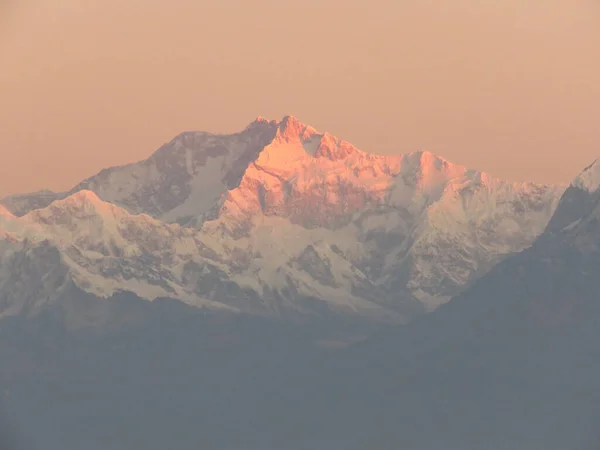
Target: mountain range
<point x="135" y="315"/>
<point x="278" y="220"/>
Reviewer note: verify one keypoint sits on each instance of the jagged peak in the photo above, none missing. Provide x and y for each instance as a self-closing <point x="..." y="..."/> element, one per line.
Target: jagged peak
<point x="85" y="201"/>
<point x="316" y="144"/>
<point x="589" y="178"/>
<point x="261" y="122"/>
<point x="261" y="119"/>
<point x="427" y="156"/>
<point x="334" y="149"/>
<point x="426" y="162"/>
<point x="82" y="196"/>
<point x="290" y="129"/>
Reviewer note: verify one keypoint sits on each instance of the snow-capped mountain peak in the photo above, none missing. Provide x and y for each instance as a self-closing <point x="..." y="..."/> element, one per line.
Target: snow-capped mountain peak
<point x="77" y="207"/>
<point x="280" y="216"/>
<point x="84" y="220"/>
<point x="429" y="172"/>
<point x="83" y="200"/>
<point x="11" y="226"/>
<point x="589" y="179"/>
<point x="290" y="129"/>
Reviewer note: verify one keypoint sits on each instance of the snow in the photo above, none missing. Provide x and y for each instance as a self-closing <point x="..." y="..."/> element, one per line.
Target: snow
<point x="431" y="302"/>
<point x="366" y="218"/>
<point x="5" y="212"/>
<point x="91" y="233"/>
<point x="206" y="189"/>
<point x="589" y="179"/>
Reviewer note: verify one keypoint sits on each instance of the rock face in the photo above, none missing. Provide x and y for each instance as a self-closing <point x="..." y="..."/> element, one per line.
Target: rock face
<point x="281" y="218"/>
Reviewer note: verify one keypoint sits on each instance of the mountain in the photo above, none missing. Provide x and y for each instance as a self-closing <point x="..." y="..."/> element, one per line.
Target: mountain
<point x="512" y="363"/>
<point x="182" y="180"/>
<point x="290" y="219"/>
<point x="81" y="246"/>
<point x="83" y="243"/>
<point x="20" y="204"/>
<point x="415" y="222"/>
<point x="589" y="179"/>
<point x="576" y="219"/>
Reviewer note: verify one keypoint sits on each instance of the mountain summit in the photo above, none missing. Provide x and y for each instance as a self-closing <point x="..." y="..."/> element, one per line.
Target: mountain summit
<point x="589" y="179"/>
<point x="282" y="218"/>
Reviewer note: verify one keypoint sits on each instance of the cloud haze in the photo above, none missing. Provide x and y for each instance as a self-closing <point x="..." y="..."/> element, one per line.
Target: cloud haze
<point x="507" y="87"/>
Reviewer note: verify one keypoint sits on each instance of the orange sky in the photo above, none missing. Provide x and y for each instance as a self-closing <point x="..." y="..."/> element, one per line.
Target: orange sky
<point x="511" y="87"/>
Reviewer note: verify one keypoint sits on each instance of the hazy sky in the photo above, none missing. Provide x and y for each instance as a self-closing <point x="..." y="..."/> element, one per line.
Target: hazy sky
<point x="511" y="87"/>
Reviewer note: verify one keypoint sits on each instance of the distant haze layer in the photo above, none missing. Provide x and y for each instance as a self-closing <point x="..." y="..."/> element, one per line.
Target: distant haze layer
<point x="508" y="87"/>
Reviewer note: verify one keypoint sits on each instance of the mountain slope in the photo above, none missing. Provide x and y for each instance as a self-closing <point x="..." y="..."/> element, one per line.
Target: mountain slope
<point x="280" y="199"/>
<point x="100" y="249"/>
<point x="94" y="247"/>
<point x="20" y="204"/>
<point x="513" y="363"/>
<point x="183" y="179"/>
<point x="414" y="223"/>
